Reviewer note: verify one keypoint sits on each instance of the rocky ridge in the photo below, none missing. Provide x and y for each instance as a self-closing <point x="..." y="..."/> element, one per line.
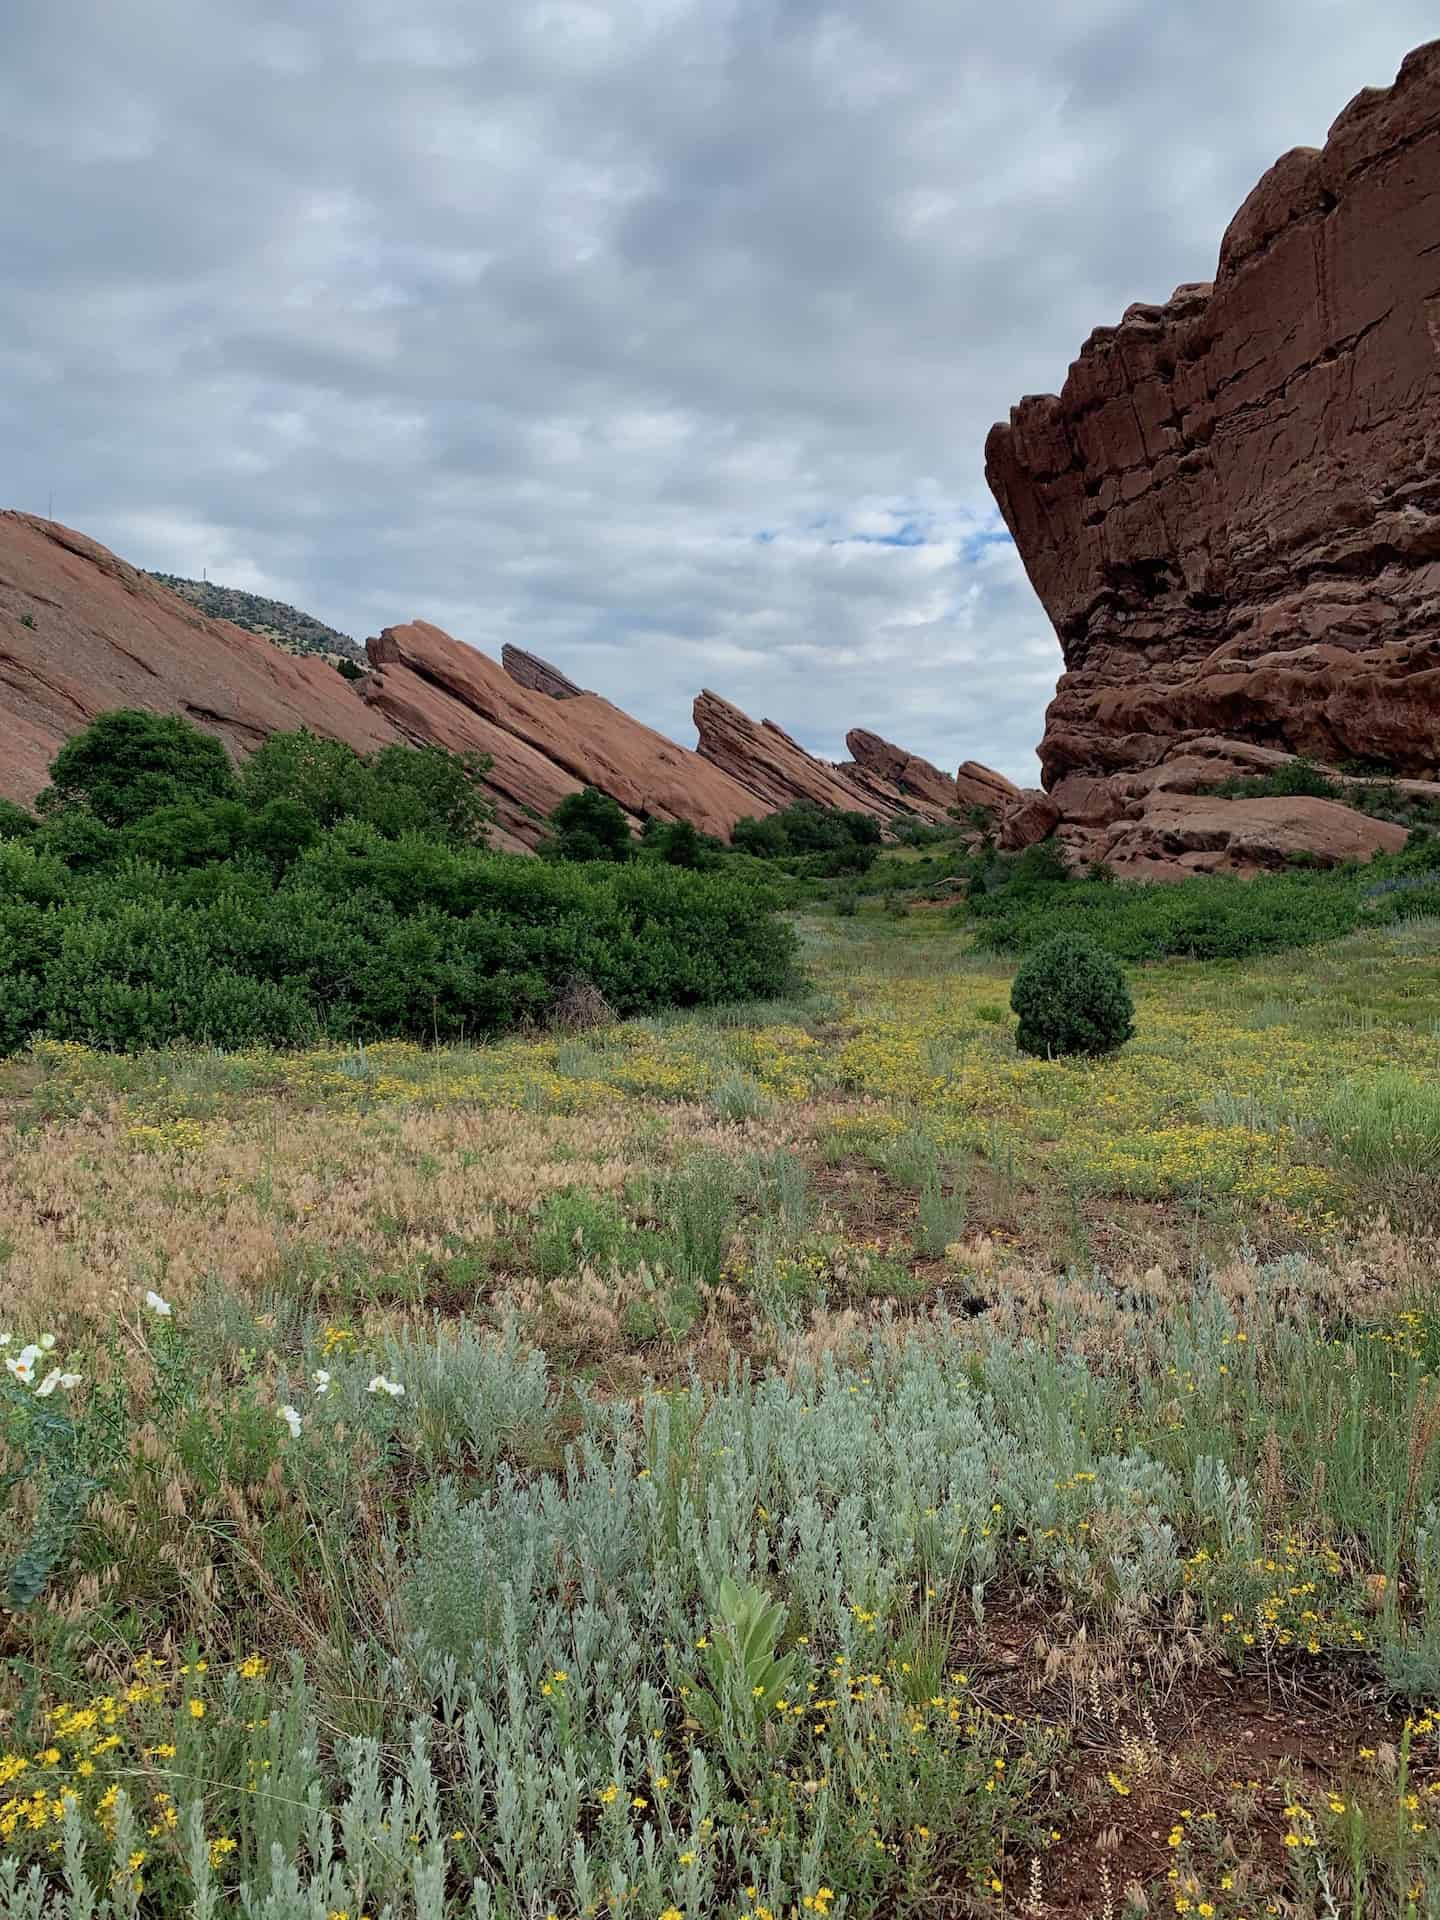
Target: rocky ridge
<point x="1231" y="511"/>
<point x="82" y="632"/>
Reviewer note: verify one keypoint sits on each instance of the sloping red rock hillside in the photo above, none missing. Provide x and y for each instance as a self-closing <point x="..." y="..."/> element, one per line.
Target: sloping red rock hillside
<point x="82" y="632"/>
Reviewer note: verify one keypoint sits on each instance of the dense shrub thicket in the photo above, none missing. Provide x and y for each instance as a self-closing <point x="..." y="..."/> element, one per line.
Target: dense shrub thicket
<point x="1209" y="917"/>
<point x="305" y="896"/>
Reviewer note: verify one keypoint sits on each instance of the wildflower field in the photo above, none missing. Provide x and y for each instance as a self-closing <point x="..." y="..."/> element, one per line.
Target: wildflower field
<point x="799" y="1459"/>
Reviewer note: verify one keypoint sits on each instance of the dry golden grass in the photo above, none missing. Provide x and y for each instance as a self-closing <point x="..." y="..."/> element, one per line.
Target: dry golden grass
<point x="94" y="1213"/>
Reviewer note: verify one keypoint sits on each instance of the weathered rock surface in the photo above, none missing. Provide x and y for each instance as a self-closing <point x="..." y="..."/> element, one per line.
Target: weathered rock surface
<point x="899" y="772"/>
<point x="1231" y="512"/>
<point x="82" y="632"/>
<point x="582" y="740"/>
<point x="537" y="674"/>
<point x="1196" y="835"/>
<point x="1030" y="817"/>
<point x="979" y="786"/>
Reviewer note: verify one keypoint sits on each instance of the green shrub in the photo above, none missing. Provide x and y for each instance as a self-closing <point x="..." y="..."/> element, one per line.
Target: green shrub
<point x="588" y="825"/>
<point x="1070" y="997"/>
<point x="1210" y="917"/>
<point x="15" y="822"/>
<point x="806" y="828"/>
<point x="127" y="763"/>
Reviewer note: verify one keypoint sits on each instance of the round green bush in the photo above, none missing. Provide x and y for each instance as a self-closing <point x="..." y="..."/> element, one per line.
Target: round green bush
<point x="1071" y="997"/>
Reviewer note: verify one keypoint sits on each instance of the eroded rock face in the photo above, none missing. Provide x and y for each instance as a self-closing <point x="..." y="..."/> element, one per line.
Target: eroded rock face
<point x="529" y="670"/>
<point x="1175" y="834"/>
<point x="579" y="741"/>
<point x="1231" y="512"/>
<point x="903" y="773"/>
<point x="882" y="779"/>
<point x="81" y="633"/>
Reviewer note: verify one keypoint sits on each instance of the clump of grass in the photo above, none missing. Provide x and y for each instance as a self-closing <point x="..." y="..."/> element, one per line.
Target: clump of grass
<point x="1385" y="1125"/>
<point x="944" y="1210"/>
<point x="739" y="1097"/>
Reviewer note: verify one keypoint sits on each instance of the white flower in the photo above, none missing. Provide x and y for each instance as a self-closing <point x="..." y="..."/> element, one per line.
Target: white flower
<point x="292" y="1420"/>
<point x="47" y="1343"/>
<point x="321" y="1378"/>
<point x="68" y="1380"/>
<point x="379" y="1384"/>
<point x="157" y="1305"/>
<point x="22" y="1364"/>
<point x="4" y="1339"/>
<point x="48" y="1385"/>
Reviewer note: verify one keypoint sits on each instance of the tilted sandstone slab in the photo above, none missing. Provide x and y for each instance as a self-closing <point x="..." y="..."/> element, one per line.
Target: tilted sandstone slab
<point x="981" y="786"/>
<point x="882" y="780"/>
<point x="585" y="740"/>
<point x="529" y="670"/>
<point x="1231" y="512"/>
<point x="81" y="632"/>
<point x="931" y="792"/>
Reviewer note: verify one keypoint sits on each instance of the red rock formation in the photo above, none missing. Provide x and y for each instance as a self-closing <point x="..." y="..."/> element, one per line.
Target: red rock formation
<point x="1232" y="510"/>
<point x="1173" y="835"/>
<point x="906" y="774"/>
<point x="82" y="632"/>
<point x="979" y="786"/>
<point x="882" y="779"/>
<point x="537" y="674"/>
<point x="1031" y="816"/>
<point x="584" y="740"/>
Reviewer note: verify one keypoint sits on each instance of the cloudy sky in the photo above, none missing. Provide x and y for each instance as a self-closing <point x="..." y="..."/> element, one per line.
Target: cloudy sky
<point x="659" y="336"/>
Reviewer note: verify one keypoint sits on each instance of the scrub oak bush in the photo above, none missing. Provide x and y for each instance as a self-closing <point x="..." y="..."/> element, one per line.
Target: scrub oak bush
<point x="1071" y="997"/>
<point x="323" y="892"/>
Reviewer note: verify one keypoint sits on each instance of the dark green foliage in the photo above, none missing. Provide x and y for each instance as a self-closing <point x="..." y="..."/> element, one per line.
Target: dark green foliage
<point x="805" y="829"/>
<point x="363" y="936"/>
<point x="127" y="763"/>
<point x="1070" y="996"/>
<point x="1211" y="917"/>
<point x="15" y="822"/>
<point x="1300" y="776"/>
<point x="349" y="670"/>
<point x="679" y="844"/>
<point x="588" y="825"/>
<point x="397" y="790"/>
<point x="329" y="893"/>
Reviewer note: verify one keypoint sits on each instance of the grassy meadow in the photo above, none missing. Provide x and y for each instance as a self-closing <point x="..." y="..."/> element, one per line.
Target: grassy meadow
<point x="793" y="1459"/>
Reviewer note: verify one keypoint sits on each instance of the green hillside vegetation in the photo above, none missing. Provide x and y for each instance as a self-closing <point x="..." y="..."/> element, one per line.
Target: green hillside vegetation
<point x="161" y="896"/>
<point x="287" y="626"/>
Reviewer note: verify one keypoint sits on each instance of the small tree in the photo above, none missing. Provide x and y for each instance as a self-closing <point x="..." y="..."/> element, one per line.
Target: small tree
<point x="1071" y="997"/>
<point x="588" y="825"/>
<point x="126" y="764"/>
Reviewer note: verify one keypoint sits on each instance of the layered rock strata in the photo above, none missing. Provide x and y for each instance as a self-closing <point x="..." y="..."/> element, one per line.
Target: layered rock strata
<point x="1231" y="511"/>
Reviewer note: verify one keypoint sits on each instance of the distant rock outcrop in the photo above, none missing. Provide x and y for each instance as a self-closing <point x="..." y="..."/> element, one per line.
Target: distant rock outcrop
<point x="898" y="772"/>
<point x="1231" y="512"/>
<point x="82" y="632"/>
<point x="764" y="758"/>
<point x="584" y="740"/>
<point x="537" y="674"/>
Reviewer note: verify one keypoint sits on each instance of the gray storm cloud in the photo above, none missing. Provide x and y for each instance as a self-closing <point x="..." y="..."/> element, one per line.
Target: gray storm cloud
<point x="660" y="336"/>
